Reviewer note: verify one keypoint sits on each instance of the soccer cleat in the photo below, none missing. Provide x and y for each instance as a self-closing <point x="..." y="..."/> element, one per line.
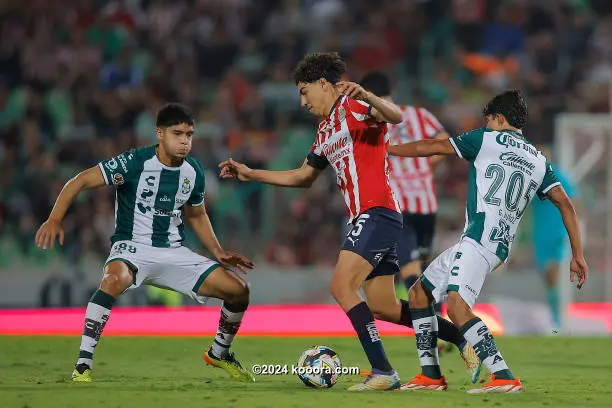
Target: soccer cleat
<point x="81" y="373"/>
<point x="229" y="364"/>
<point x="377" y="382"/>
<point x="472" y="362"/>
<point x="499" y="385"/>
<point x="422" y="382"/>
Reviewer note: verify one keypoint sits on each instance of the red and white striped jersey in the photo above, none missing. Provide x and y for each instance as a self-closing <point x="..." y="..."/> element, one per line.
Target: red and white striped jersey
<point x="354" y="143"/>
<point x="412" y="178"/>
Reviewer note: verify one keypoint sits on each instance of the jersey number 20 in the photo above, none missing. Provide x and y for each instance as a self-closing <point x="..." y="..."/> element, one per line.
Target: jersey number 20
<point x="515" y="189"/>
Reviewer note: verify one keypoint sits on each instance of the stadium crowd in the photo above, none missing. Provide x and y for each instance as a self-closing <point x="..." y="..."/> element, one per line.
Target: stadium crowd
<point x="82" y="80"/>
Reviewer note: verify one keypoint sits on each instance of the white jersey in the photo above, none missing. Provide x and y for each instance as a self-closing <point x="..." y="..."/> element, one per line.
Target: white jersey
<point x="505" y="173"/>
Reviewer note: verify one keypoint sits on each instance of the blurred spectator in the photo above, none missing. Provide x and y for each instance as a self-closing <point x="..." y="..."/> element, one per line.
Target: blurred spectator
<point x="82" y="80"/>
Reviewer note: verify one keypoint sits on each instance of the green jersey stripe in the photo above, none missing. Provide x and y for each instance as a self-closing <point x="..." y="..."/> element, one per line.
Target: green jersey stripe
<point x="475" y="220"/>
<point x="125" y="204"/>
<point x="164" y="207"/>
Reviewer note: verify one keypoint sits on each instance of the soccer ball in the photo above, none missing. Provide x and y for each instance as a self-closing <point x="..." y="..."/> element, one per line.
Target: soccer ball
<point x="319" y="367"/>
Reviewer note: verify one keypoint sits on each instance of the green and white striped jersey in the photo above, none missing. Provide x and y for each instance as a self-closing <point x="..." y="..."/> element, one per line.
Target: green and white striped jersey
<point x="505" y="173"/>
<point x="150" y="196"/>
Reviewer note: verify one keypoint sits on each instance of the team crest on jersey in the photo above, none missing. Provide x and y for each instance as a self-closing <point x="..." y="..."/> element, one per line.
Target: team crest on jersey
<point x="118" y="179"/>
<point x="341" y="113"/>
<point x="186" y="187"/>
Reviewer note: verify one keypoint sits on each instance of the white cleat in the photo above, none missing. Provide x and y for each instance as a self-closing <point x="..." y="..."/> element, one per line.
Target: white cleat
<point x="472" y="362"/>
<point x="378" y="382"/>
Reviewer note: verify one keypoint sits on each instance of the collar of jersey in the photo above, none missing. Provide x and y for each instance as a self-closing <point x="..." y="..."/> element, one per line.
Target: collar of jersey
<point x="514" y="132"/>
<point x="334" y="106"/>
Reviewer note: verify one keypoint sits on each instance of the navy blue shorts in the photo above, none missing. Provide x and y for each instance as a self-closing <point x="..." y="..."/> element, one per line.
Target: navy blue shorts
<point x="417" y="237"/>
<point x="374" y="236"/>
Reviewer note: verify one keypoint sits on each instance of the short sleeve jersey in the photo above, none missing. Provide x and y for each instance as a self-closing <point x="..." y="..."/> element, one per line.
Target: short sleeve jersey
<point x="505" y="172"/>
<point x="151" y="196"/>
<point x="353" y="143"/>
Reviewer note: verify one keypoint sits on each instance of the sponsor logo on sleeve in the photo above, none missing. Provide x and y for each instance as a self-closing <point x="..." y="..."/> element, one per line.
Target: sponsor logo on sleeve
<point x="123" y="162"/>
<point x="111" y="164"/>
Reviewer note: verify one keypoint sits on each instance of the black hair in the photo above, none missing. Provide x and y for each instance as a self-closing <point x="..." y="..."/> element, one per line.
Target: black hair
<point x="376" y="82"/>
<point x="328" y="65"/>
<point x="174" y="114"/>
<point x="512" y="105"/>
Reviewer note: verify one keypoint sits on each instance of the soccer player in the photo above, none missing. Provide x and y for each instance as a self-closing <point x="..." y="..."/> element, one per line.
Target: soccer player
<point x="351" y="139"/>
<point x="505" y="173"/>
<point x="155" y="186"/>
<point x="550" y="241"/>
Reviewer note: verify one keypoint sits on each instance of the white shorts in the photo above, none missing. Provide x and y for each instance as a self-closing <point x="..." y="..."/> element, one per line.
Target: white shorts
<point x="178" y="269"/>
<point x="461" y="268"/>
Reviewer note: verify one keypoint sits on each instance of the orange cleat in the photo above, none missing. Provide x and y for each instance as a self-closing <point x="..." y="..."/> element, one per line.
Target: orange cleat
<point x="499" y="385"/>
<point x="422" y="382"/>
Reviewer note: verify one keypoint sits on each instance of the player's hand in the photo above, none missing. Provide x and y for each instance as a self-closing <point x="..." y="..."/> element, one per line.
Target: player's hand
<point x="353" y="90"/>
<point x="233" y="169"/>
<point x="234" y="259"/>
<point x="48" y="232"/>
<point x="579" y="269"/>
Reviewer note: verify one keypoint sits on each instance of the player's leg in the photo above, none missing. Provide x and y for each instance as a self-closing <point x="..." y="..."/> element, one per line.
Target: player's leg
<point x="428" y="289"/>
<point x="425" y="326"/>
<point x="408" y="252"/>
<point x="374" y="235"/>
<point x="118" y="276"/>
<point x="479" y="336"/>
<point x="471" y="265"/>
<point x="349" y="274"/>
<point x="425" y="226"/>
<point x="444" y="346"/>
<point x="380" y="294"/>
<point x="198" y="277"/>
<point x="414" y="253"/>
<point x="234" y="291"/>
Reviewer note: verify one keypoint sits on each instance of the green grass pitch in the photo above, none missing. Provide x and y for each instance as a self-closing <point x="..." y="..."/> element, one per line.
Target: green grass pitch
<point x="169" y="372"/>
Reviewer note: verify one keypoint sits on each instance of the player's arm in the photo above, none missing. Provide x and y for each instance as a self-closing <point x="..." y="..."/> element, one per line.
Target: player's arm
<point x="302" y="177"/>
<point x="435" y="160"/>
<point x="578" y="266"/>
<point x="197" y="218"/>
<point x="423" y="148"/>
<point x="382" y="110"/>
<point x="52" y="228"/>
